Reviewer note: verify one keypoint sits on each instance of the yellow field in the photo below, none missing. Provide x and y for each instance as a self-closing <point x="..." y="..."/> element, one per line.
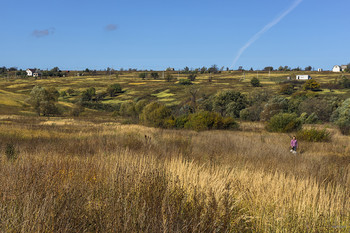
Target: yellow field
<point x="100" y="176"/>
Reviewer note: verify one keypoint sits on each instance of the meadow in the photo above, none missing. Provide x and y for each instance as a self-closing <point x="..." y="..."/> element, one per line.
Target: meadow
<point x="15" y="91"/>
<point x="84" y="175"/>
<point x="94" y="174"/>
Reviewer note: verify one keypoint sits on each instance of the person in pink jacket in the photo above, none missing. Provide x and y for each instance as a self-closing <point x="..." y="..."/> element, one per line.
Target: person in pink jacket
<point x="294" y="145"/>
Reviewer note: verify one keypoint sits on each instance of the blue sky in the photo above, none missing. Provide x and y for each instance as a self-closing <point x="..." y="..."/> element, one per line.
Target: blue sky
<point x="156" y="34"/>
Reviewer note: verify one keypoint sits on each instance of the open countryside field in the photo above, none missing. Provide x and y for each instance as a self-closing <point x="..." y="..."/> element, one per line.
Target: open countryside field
<point x="14" y="92"/>
<point x="77" y="175"/>
<point x="93" y="173"/>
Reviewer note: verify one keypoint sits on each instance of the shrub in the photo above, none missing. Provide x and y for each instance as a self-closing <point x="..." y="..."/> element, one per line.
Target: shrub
<point x="140" y="105"/>
<point x="10" y="151"/>
<point x="311" y="85"/>
<point x="181" y="121"/>
<point x="321" y="107"/>
<point x="185" y="82"/>
<point x="255" y="82"/>
<point x="155" y="75"/>
<point x="88" y="94"/>
<point x="344" y="82"/>
<point x="70" y="91"/>
<point x="312" y="119"/>
<point x="143" y="76"/>
<point x="209" y="120"/>
<point x="314" y="135"/>
<point x="229" y="103"/>
<point x="341" y="117"/>
<point x="127" y="109"/>
<point x="77" y="110"/>
<point x="114" y="89"/>
<point x="155" y="115"/>
<point x="284" y="123"/>
<point x="251" y="113"/>
<point x="192" y="77"/>
<point x="275" y="105"/>
<point x="287" y="89"/>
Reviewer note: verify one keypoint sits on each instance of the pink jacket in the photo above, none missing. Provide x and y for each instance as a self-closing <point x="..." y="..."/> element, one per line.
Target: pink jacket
<point x="294" y="143"/>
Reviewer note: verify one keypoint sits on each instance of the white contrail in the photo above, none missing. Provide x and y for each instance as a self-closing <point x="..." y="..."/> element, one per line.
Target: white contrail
<point x="265" y="29"/>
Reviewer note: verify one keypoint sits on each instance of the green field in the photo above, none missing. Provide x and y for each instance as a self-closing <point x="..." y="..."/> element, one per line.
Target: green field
<point x="14" y="92"/>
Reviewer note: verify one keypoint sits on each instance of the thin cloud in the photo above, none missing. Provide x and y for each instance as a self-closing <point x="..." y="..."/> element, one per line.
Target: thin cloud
<point x="43" y="33"/>
<point x="111" y="27"/>
<point x="265" y="29"/>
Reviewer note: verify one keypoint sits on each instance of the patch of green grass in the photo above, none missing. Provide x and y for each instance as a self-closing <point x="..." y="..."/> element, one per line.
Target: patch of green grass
<point x="164" y="94"/>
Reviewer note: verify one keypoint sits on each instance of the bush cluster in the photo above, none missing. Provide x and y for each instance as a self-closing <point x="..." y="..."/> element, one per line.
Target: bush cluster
<point x="284" y="123"/>
<point x="314" y="135"/>
<point x="209" y="120"/>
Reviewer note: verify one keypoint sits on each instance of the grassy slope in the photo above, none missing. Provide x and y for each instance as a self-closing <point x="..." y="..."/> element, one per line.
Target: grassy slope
<point x="14" y="92"/>
<point x="75" y="176"/>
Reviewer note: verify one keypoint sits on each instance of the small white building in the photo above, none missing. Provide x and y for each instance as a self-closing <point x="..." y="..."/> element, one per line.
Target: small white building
<point x="336" y="68"/>
<point x="33" y="72"/>
<point x="303" y="77"/>
<point x="341" y="68"/>
<point x="320" y="70"/>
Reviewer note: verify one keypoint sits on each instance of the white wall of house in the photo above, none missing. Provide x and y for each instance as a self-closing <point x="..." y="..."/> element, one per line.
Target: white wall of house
<point x="320" y="70"/>
<point x="336" y="68"/>
<point x="303" y="77"/>
<point x="29" y="72"/>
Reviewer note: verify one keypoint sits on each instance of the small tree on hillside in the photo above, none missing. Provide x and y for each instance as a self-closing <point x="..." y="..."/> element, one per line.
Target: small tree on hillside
<point x="255" y="82"/>
<point x="168" y="77"/>
<point x="154" y="75"/>
<point x="88" y="94"/>
<point x="143" y="76"/>
<point x="268" y="68"/>
<point x="308" y="68"/>
<point x="114" y="89"/>
<point x="43" y="100"/>
<point x="192" y="77"/>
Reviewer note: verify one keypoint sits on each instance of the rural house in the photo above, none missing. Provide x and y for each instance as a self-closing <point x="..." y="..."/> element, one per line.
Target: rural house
<point x="303" y="77"/>
<point x="341" y="68"/>
<point x="33" y="72"/>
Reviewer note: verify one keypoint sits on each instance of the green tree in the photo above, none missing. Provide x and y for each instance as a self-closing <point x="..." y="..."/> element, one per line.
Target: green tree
<point x="43" y="100"/>
<point x="268" y="68"/>
<point x="255" y="82"/>
<point x="308" y="68"/>
<point x="114" y="89"/>
<point x="168" y="77"/>
<point x="229" y="103"/>
<point x="143" y="75"/>
<point x="89" y="94"/>
<point x="192" y="77"/>
<point x="155" y="75"/>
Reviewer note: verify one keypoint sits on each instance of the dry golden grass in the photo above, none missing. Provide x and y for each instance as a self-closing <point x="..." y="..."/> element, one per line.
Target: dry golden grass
<point x="84" y="176"/>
